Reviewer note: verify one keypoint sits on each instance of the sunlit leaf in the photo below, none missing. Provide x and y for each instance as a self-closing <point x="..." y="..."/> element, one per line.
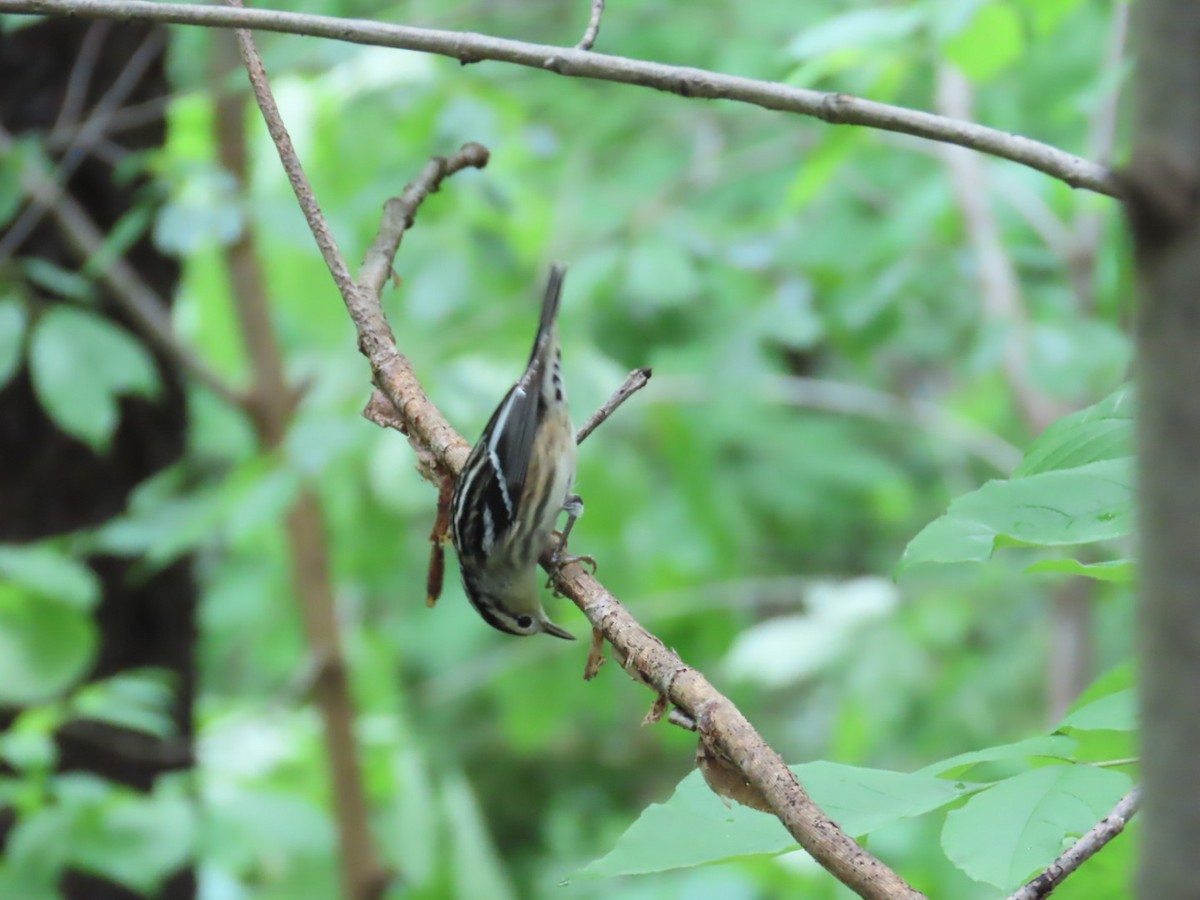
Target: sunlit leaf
<point x="45" y="647"/>
<point x="28" y="743"/>
<point x="50" y="573"/>
<point x="991" y="42"/>
<point x="817" y="169"/>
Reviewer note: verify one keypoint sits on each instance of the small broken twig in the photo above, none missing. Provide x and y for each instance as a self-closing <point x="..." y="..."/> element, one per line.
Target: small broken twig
<point x="636" y="380"/>
<point x="593" y="27"/>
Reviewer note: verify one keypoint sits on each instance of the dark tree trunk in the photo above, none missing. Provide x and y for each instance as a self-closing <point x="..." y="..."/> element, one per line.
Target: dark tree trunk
<point x="1163" y="185"/>
<point x="51" y="483"/>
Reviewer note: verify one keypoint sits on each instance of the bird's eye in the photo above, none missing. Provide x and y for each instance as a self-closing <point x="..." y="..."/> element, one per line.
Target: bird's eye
<point x="524" y="622"/>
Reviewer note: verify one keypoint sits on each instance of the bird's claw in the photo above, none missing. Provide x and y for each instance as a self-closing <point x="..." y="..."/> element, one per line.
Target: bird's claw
<point x="560" y="561"/>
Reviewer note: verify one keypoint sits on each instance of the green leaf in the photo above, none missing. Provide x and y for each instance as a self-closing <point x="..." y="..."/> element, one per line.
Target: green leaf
<point x="862" y="800"/>
<point x="98" y="827"/>
<point x="51" y="574"/>
<point x="1100" y="432"/>
<point x="1005" y="834"/>
<point x="991" y="42"/>
<point x="80" y="364"/>
<point x="1072" y="506"/>
<point x="125" y="232"/>
<point x="37" y="847"/>
<point x="137" y="699"/>
<point x="45" y="647"/>
<point x="1043" y="745"/>
<point x="1122" y="571"/>
<point x="13" y="320"/>
<point x="29" y="744"/>
<point x="694" y="827"/>
<point x="16" y="882"/>
<point x="137" y="842"/>
<point x="1117" y="679"/>
<point x="1116" y="712"/>
<point x="820" y="165"/>
<point x="56" y="280"/>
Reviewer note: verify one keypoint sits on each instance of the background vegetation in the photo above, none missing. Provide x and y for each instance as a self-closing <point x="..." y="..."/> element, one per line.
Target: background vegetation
<point x="832" y="369"/>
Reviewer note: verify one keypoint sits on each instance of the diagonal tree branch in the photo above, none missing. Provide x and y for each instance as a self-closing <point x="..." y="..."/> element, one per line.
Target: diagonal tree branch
<point x="721" y="724"/>
<point x="837" y="109"/>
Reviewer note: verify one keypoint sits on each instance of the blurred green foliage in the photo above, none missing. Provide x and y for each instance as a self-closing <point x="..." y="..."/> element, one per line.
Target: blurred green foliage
<point x="746" y="507"/>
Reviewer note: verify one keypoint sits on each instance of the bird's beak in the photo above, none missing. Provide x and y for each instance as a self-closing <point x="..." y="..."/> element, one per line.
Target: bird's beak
<point x="551" y="628"/>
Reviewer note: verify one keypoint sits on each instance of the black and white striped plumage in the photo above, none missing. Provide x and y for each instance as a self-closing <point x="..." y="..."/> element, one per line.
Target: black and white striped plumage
<point x="515" y="483"/>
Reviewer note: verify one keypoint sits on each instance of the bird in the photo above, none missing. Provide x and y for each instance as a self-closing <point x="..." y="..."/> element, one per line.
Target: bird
<point x="516" y="481"/>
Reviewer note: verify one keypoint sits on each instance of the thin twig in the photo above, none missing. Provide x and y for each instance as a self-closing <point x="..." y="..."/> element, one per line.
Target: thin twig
<point x="78" y="150"/>
<point x="364" y="877"/>
<point x="636" y="380"/>
<point x="399" y="212"/>
<point x="588" y="41"/>
<point x="1084" y="848"/>
<point x="135" y="298"/>
<point x="81" y="75"/>
<point x="837" y="109"/>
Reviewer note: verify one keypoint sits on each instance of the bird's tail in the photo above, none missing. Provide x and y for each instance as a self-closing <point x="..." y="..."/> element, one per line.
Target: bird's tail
<point x="550" y="303"/>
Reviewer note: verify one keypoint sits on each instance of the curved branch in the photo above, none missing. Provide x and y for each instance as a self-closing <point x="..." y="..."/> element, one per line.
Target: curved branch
<point x="837" y="109"/>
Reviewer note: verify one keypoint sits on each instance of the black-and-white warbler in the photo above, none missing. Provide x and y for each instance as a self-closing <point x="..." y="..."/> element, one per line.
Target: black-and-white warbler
<point x="515" y="483"/>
